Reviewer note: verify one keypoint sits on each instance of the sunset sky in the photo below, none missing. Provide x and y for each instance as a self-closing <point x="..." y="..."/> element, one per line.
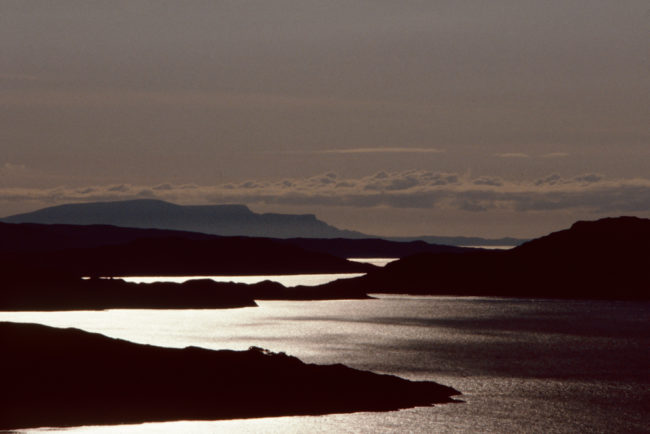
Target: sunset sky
<point x="413" y="117"/>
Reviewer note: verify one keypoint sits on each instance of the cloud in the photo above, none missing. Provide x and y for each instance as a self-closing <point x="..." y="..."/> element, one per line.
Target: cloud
<point x="119" y="188"/>
<point x="512" y="155"/>
<point x="549" y="180"/>
<point x="486" y="180"/>
<point x="588" y="179"/>
<point x="550" y="155"/>
<point x="9" y="169"/>
<point x="382" y="151"/>
<point x="415" y="189"/>
<point x="556" y="155"/>
<point x="18" y="77"/>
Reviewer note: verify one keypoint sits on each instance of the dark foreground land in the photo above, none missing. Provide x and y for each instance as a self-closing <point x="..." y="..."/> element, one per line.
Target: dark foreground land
<point x="67" y="377"/>
<point x="49" y="294"/>
<point x="603" y="259"/>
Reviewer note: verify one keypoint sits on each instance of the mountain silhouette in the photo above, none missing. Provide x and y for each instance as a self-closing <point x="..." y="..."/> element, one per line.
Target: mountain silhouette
<point x="186" y="257"/>
<point x="31" y="237"/>
<point x="226" y="220"/>
<point x="68" y="377"/>
<point x="210" y="219"/>
<point x="604" y="259"/>
<point x="52" y="293"/>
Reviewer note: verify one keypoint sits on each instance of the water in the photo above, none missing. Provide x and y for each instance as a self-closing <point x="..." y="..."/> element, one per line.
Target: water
<point x="522" y="365"/>
<point x="379" y="262"/>
<point x="288" y="280"/>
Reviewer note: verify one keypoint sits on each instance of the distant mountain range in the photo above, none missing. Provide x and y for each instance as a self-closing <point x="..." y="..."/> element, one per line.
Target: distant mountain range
<point x="225" y="220"/>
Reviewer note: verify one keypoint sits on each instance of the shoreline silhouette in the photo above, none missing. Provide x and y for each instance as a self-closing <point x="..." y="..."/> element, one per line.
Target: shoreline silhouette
<point x="68" y="377"/>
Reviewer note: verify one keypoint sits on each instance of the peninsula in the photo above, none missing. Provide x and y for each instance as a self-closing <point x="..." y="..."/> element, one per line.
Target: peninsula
<point x="603" y="259"/>
<point x="68" y="377"/>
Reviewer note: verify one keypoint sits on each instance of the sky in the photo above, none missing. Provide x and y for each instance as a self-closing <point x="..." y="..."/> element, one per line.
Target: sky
<point x="412" y="117"/>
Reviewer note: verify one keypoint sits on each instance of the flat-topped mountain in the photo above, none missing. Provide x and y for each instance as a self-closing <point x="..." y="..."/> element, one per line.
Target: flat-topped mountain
<point x="68" y="377"/>
<point x="607" y="258"/>
<point x="225" y="220"/>
<point x="210" y="219"/>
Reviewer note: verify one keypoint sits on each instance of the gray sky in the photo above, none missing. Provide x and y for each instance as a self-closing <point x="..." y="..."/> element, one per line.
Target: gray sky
<point x="407" y="117"/>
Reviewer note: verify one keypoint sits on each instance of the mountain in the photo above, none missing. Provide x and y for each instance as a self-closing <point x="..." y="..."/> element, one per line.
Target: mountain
<point x="225" y="220"/>
<point x="68" y="377"/>
<point x="604" y="259"/>
<point x="210" y="219"/>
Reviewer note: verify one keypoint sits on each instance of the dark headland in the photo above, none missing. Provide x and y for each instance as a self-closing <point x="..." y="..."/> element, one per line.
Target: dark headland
<point x="603" y="259"/>
<point x="91" y="251"/>
<point x="68" y="377"/>
<point x="50" y="293"/>
<point x="43" y="266"/>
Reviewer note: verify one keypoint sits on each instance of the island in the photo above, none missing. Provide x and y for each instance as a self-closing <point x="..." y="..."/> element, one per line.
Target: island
<point x="67" y="377"/>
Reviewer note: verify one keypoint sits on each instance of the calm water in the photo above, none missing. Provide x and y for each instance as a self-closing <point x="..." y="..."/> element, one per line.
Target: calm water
<point x="380" y="262"/>
<point x="288" y="280"/>
<point x="522" y="365"/>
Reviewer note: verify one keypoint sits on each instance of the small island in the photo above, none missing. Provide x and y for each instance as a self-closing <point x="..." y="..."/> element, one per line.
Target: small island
<point x="68" y="377"/>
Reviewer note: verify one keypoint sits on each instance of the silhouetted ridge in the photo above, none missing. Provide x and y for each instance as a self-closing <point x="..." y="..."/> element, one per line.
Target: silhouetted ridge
<point x="113" y="251"/>
<point x="592" y="237"/>
<point x="59" y="292"/>
<point x="226" y="220"/>
<point x="32" y="237"/>
<point x="67" y="377"/>
<point x="603" y="259"/>
<point x="210" y="219"/>
<point x="25" y="237"/>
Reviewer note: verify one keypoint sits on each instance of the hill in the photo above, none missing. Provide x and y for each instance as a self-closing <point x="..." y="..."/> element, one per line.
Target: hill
<point x="604" y="259"/>
<point x="31" y="237"/>
<point x="179" y="257"/>
<point x="68" y="377"/>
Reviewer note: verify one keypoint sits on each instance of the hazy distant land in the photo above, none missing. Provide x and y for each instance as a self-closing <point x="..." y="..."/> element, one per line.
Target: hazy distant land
<point x="225" y="220"/>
